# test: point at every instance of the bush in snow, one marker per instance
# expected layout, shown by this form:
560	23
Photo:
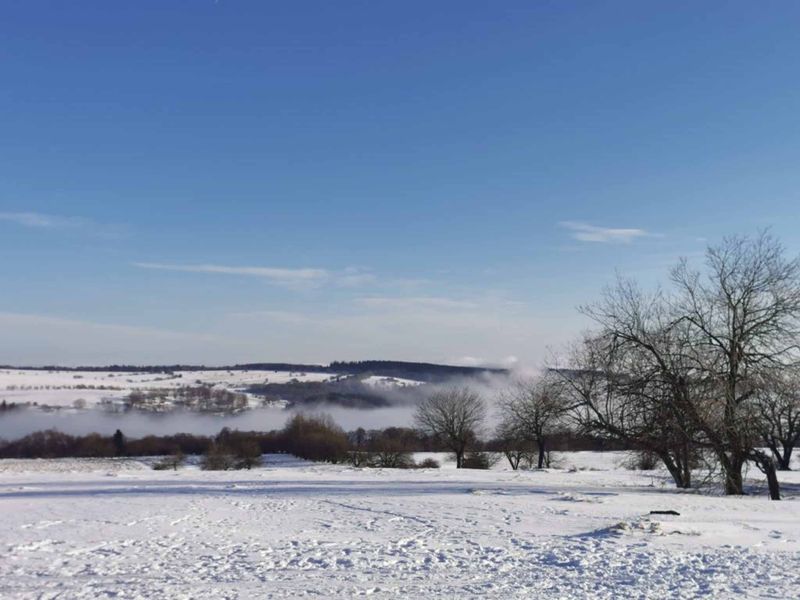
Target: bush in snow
316	437
248	455
218	458
478	460
173	461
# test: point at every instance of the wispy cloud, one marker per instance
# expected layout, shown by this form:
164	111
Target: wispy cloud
280	316
350	277
355	277
415	303
46	222
585	232
277	276
42	221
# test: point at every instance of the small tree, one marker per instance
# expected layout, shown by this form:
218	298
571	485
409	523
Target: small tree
778	409
359	456
530	410
455	415
515	448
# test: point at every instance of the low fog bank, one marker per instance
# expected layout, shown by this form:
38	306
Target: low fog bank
19	423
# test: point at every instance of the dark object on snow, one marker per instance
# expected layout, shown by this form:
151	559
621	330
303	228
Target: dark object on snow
665	512
119	443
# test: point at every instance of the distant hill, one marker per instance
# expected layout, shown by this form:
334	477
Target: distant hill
418	371
409	370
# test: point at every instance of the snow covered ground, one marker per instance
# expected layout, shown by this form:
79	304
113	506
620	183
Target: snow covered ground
63	388
102	528
380	381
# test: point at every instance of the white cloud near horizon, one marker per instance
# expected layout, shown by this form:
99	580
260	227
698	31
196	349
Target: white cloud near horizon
439	331
584	232
506	362
478	330
415	303
35	340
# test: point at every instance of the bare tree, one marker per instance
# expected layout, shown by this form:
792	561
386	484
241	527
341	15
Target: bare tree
530	410
743	322
514	447
711	343
778	406
612	390
453	414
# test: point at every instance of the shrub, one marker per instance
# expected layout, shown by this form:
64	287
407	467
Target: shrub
390	453
317	438
247	454
361	458
390	459
428	463
478	460
94	445
218	458
173	461
641	460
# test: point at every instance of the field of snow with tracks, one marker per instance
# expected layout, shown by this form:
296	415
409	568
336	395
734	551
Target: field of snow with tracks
91	528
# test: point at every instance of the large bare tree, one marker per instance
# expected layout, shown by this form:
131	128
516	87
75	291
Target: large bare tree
455	415
743	322
713	341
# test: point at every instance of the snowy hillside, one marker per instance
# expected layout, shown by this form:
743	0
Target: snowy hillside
100	528
90	389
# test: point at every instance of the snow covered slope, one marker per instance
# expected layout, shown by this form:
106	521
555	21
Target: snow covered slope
101	528
63	388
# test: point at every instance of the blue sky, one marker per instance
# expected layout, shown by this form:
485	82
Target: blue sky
240	181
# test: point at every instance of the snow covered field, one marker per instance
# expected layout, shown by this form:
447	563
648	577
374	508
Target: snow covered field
102	528
63	388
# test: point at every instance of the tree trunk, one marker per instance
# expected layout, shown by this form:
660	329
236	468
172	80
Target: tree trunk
513	460
542	450
767	466
785	460
772	481
783	456
681	474
732	468
459	458
687	473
